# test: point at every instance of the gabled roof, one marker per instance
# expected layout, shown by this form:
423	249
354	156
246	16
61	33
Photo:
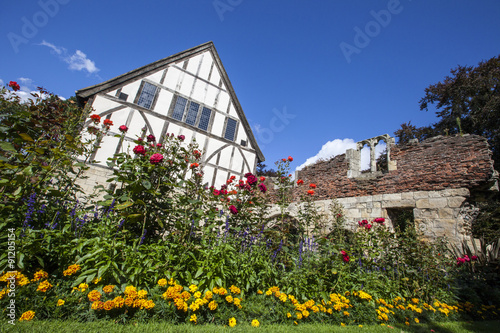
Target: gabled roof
84	94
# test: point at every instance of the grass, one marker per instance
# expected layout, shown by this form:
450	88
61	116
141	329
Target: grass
110	327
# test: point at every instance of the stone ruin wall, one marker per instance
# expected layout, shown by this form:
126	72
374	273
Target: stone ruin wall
433	179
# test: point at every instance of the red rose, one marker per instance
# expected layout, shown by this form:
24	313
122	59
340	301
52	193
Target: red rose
379	220
262	187
14	85
181	137
262	178
123	128
368	226
194	165
300	182
290	158
283	159
233	210
95	118
312	185
139	150
159	145
108	123
156	158
310	192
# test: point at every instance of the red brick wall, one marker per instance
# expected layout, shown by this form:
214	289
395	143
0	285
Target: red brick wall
434	164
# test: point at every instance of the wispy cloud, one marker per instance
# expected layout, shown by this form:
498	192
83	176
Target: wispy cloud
77	61
338	147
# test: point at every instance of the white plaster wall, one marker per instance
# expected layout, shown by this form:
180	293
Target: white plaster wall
172	77
215	78
102	104
223	101
205	66
136	125
232	111
218	124
119	118
155	77
194	63
164	101
156	125
210	96
187	84
131	90
199	91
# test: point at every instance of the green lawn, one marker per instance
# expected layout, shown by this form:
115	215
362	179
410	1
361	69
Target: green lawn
110	327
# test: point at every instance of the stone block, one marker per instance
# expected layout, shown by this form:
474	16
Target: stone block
425	213
398	203
455	202
391	197
407	196
420	195
447	213
432	203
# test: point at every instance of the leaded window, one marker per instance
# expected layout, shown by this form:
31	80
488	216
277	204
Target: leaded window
192	113
230	129
147	96
180	106
205	119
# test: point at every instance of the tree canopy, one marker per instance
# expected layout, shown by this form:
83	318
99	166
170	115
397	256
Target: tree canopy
467	101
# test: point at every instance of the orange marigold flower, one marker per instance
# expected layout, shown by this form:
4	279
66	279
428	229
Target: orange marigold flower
27	316
108	289
94	295
40	275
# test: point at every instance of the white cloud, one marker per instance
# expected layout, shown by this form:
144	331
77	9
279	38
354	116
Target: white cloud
58	50
77	61
338	147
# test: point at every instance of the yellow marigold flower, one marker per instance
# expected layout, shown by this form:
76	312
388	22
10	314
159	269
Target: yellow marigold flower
193	318
162	282
234	289
171	282
82	287
342	324
299	315
212	305
259	292
97	280
360	325
108	305
27	316
2	293
197	294
96	305
346	313
129	302
119	302
305	313
72	270
39	275
417	321
186	295
142	293
23	281
288	315
130	289
208	294
193	288
269	293
232	322
295	323
283	297
222	291
148	305
229	299
414	300
60	302
315	309
364	295
330	311
94	295
237	301
44	286
108	289
255	323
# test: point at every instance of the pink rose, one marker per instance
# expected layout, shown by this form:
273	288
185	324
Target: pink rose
156	158
233	210
123	128
139	150
181	137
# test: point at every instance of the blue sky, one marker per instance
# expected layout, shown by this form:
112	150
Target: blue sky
312	76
